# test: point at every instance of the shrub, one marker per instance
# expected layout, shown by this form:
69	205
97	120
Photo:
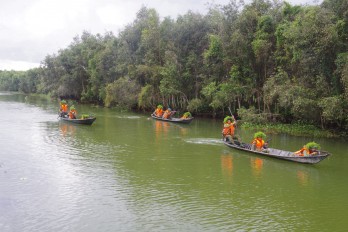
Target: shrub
250	115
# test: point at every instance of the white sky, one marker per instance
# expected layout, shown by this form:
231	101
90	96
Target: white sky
32	29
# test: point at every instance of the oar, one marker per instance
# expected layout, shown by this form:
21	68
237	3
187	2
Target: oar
268	142
232	114
230	111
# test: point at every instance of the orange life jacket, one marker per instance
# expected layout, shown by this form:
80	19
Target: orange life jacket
72	114
167	114
159	112
228	129
302	151
64	107
258	143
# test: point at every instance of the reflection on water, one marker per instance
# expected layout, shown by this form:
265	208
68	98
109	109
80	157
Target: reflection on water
256	166
161	128
67	129
227	166
161	133
302	177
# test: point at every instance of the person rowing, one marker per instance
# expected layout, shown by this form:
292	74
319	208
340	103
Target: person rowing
159	111
167	114
63	109
228	129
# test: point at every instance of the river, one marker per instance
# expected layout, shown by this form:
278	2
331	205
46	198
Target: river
128	172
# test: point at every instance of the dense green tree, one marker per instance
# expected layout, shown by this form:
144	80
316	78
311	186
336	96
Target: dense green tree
122	92
30	82
266	60
10	80
190	41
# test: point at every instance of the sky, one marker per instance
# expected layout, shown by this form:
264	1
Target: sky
32	29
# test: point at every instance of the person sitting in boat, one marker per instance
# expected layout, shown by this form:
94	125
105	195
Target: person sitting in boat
72	112
167	114
311	148
259	144
159	111
63	109
186	115
228	129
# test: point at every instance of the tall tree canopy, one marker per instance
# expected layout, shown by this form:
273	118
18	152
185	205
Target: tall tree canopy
266	58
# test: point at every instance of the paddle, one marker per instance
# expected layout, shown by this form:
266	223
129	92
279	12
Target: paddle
232	116
60	115
268	142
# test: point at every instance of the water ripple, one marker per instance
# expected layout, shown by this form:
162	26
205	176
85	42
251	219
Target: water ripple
207	141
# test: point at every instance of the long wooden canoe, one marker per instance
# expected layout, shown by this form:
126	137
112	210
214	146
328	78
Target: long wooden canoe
86	121
175	120
280	154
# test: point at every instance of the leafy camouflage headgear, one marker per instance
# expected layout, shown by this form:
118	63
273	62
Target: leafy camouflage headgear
260	134
187	114
312	145
228	118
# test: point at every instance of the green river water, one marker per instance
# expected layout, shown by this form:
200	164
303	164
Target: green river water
128	172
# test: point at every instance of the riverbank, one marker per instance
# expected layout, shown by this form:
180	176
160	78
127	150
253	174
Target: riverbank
295	129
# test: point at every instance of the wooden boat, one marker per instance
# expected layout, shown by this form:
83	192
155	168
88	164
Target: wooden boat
280	154
175	120
86	121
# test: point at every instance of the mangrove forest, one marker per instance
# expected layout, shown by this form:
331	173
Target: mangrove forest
266	61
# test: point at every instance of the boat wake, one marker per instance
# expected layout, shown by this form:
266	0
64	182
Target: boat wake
207	141
128	117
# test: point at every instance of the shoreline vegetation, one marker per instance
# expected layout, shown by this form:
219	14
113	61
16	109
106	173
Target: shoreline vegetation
295	129
270	62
